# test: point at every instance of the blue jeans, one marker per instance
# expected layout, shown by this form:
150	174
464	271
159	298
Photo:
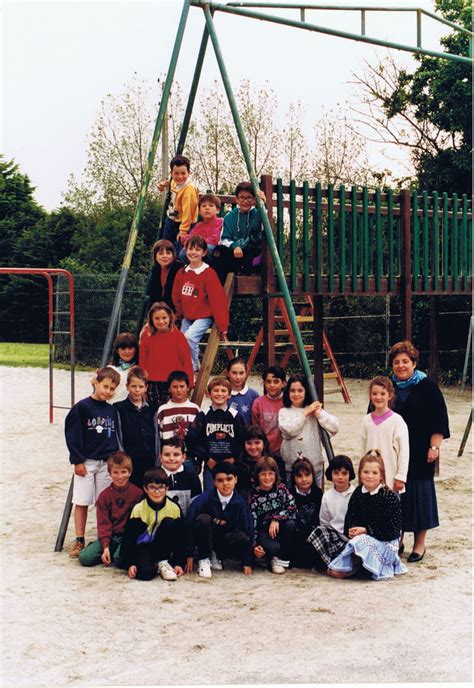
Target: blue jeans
194	330
170	230
207	479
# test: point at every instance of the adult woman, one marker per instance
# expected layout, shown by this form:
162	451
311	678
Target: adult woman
421	404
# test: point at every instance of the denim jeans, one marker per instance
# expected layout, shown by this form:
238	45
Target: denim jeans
193	330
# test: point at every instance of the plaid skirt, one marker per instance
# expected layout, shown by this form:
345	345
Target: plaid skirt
327	542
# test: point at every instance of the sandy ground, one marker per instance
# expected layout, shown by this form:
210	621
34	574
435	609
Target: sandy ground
68	626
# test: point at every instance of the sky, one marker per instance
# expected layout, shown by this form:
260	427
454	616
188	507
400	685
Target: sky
59	59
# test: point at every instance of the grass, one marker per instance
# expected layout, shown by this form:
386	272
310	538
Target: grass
20	355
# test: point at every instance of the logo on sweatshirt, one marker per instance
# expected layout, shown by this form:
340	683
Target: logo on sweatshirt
190	289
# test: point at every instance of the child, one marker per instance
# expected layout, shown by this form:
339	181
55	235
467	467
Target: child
113	507
138	429
307	496
220	525
210	228
199	297
154	534
183	485
388	432
163	273
242	396
163	349
124	356
373	525
265	409
91	436
216	434
175	417
298	422
240	244
273	511
182	210
328	538
255	446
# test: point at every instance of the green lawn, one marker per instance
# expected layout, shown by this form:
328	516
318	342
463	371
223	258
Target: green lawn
29	355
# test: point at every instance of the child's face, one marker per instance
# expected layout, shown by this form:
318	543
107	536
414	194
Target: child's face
179	174
164	257
119	475
172	458
156	492
266	479
136	389
297	394
273	385
379	397
245	201
127	353
219	395
340	478
195	254
370	475
208	211
104	390
237	376
179	391
304	481
225	483
254	448
161	320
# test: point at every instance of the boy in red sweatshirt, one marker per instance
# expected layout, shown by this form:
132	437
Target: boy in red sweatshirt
199	298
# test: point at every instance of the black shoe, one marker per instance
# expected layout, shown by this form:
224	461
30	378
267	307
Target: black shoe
401	549
414	557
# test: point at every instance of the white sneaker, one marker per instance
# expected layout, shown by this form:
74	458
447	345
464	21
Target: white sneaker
204	568
166	571
277	565
216	563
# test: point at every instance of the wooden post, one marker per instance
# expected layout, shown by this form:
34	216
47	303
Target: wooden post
268	303
405	265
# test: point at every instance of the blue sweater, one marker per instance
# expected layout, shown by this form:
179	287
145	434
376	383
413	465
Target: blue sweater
91	430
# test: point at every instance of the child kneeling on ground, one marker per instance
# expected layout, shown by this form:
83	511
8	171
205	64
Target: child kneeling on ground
220	524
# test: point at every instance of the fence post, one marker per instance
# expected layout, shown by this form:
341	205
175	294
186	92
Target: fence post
405	264
268	303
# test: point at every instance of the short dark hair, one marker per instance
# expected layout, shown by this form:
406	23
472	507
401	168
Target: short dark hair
155	475
122	340
172	442
136	371
224	467
180	161
179	375
302	465
286	392
244	186
161	245
253	432
276	371
197	241
338	462
235	361
210	198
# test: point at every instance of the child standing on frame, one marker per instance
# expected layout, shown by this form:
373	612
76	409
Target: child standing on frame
182	210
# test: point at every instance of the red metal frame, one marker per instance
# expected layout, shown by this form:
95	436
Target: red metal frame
48	274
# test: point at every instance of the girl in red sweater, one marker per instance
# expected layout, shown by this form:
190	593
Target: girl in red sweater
163	348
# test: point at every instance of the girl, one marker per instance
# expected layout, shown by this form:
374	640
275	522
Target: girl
388	431
373	524
242	396
163	272
273	512
328	537
299	421
163	349
307	496
124	356
255	446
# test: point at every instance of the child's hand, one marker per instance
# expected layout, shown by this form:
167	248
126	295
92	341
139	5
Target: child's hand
223	336
313	409
178	571
398	485
80	469
238	253
132	572
274	529
163	185
189	565
259	552
353	532
182	236
262	196
211	463
247	570
106	558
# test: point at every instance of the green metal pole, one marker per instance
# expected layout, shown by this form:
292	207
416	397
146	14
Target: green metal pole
137	218
266	223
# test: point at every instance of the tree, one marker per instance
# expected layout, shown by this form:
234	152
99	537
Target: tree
294	154
429	110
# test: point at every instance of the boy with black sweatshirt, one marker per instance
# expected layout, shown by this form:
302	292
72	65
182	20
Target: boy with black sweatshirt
183	485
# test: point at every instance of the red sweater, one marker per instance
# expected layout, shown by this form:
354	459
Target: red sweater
163	352
199	294
113	508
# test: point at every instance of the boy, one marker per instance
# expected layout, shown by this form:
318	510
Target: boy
113	507
242	396
138	429
240	244
182	210
154	533
91	436
183	485
216	434
210	227
199	297
220	525
175	417
265	409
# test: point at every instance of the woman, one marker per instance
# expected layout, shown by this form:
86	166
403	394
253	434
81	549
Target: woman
421	404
